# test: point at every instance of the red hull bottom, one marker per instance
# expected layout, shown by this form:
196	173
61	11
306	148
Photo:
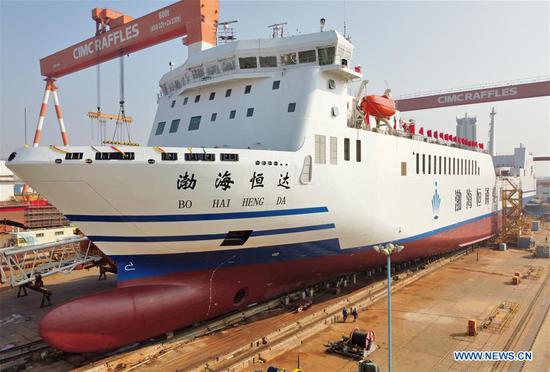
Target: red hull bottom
147	307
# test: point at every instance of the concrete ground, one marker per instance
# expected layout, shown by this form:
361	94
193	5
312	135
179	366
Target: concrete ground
430	316
19	317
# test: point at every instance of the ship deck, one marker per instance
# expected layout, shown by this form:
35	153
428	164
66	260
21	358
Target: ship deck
430	318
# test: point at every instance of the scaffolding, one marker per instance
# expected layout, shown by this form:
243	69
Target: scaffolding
42	216
20	265
513	221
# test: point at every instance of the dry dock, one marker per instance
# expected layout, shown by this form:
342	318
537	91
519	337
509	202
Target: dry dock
430	318
431	309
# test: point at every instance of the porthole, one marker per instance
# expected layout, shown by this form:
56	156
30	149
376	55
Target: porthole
240	296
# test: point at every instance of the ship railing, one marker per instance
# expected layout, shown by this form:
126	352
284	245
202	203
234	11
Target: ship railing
20	265
421	138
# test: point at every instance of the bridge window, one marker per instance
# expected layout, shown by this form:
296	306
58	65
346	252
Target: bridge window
232	114
185	100
333	150
228	92
194	123
417	163
292	107
214	116
307	56
247	89
174	125
326	55
270	61
346	149
197	98
212	95
429	164
358	150
444	165
288	59
248	62
320	149
249	112
276	84
228	64
160	128
173	104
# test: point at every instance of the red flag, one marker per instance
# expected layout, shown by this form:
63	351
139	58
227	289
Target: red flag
435	134
411	128
446	137
421	131
441	135
429	133
455	139
481	145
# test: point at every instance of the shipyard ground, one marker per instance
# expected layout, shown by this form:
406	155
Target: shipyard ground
430	318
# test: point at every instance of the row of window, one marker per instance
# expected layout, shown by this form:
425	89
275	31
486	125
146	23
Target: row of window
326	57
321	145
247	89
195	121
436	164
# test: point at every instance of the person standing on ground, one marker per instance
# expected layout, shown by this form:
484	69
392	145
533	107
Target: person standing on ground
344	314
355	314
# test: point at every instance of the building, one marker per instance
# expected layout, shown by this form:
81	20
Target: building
543	189
466	127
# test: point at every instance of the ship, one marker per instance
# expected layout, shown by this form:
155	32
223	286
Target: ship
262	175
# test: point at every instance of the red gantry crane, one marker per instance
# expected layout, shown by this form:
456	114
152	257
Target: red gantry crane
498	92
118	34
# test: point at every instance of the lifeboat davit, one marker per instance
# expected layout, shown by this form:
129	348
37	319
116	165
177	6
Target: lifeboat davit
378	106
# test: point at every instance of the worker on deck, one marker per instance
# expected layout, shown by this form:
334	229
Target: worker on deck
344	314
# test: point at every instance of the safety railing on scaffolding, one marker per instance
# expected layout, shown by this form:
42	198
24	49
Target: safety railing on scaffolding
20	265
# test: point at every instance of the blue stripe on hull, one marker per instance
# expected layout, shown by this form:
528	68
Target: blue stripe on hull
194	217
161	264
190	238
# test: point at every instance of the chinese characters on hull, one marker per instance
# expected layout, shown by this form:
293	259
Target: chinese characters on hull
284	181
257	180
185	182
224	181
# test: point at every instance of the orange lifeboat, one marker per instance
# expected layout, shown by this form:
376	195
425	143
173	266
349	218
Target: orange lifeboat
378	106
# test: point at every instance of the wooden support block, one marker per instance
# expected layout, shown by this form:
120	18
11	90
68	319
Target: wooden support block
472	327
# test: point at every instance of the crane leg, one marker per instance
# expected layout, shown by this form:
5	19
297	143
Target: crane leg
64	136
42	114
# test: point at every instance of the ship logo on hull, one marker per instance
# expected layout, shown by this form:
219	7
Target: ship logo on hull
436	203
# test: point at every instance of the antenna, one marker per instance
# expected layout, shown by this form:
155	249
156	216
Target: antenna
25	126
492	134
278	29
345	19
226	33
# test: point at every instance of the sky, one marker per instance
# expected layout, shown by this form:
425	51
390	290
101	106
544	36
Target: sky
409	46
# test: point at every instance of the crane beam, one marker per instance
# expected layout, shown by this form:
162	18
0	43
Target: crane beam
498	93
197	19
